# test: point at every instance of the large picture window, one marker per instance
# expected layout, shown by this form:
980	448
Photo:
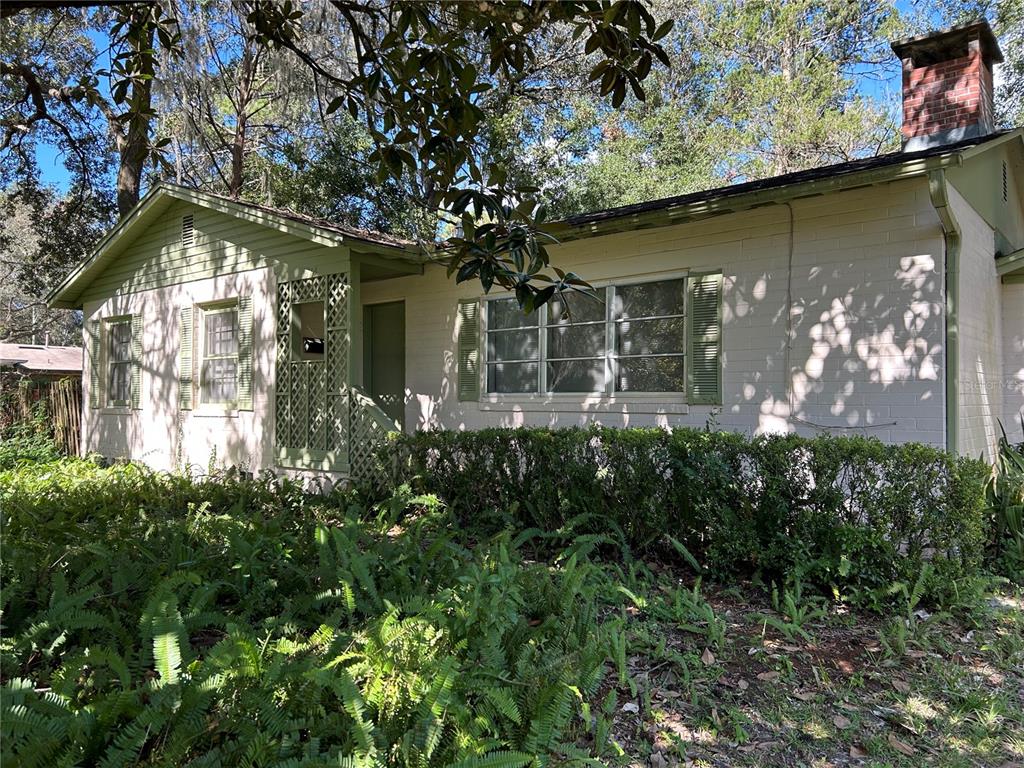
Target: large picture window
119	362
218	372
629	338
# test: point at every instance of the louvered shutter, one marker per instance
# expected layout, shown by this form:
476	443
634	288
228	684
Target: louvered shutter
704	379
185	361
469	350
245	353
95	344
136	361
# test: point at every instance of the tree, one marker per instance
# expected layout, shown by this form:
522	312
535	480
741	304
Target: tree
42	236
49	86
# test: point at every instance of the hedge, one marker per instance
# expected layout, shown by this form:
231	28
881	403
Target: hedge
846	511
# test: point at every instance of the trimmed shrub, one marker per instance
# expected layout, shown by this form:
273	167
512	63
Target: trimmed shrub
845	512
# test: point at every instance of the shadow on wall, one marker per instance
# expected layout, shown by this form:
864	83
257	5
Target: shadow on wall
866	357
160	433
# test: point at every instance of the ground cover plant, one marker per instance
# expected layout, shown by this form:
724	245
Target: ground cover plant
152	619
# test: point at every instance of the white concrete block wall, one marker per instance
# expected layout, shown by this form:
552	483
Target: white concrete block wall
867	354
980	333
160	433
1013	359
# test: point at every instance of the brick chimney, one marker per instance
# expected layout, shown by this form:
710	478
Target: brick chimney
947	85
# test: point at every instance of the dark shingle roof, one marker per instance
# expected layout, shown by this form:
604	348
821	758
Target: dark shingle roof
775	182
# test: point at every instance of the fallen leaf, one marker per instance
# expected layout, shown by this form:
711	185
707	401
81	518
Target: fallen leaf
841	722
658	760
790	648
803	695
901	686
707	657
768	676
996	679
630	707
856	751
901	746
916	654
742	684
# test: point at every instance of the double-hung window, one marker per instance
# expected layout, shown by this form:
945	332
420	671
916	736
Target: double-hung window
119	361
218	372
629	338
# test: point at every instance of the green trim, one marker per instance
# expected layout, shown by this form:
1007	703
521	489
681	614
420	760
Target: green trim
706	208
68	294
704	297
301	458
1010	264
185	359
244	353
938	189
136	380
94	344
468	360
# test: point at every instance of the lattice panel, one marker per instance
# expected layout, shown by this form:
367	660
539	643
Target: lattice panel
312	397
370	427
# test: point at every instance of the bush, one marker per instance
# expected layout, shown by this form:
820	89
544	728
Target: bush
28	441
844	512
151	619
1005	493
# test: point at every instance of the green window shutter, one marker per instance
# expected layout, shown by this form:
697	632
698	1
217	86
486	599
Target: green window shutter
245	353
136	361
95	345
185	361
704	381
469	350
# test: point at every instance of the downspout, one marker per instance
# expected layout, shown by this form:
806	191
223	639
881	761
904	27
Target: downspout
938	189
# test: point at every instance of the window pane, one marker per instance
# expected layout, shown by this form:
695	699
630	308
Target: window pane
222	333
581	307
120	382
120	335
650	337
512	377
576	340
666	297
506	313
219	380
576	376
512	345
650	374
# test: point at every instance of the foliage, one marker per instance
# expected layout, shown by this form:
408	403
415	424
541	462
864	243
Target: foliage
1005	494
151	618
843	513
28	441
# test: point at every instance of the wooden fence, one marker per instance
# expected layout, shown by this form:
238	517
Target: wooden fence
61	401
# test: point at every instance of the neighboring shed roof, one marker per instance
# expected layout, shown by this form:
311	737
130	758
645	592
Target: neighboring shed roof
38	358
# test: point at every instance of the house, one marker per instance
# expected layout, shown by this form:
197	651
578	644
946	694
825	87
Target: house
882	296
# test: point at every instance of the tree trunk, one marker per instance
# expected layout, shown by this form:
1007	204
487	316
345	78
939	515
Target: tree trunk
133	141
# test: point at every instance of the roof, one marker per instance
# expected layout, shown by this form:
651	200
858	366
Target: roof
162	194
838	170
352	233
39	358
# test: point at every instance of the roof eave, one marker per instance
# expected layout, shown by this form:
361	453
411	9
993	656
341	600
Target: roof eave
727	203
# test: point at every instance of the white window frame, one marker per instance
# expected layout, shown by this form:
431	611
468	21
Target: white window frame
108	328
608	393
205	311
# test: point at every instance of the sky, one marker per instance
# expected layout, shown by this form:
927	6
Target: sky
882	88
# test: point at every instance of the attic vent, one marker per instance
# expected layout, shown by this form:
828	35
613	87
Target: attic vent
187	232
1005	187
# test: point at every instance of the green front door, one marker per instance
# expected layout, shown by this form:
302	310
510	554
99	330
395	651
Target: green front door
384	357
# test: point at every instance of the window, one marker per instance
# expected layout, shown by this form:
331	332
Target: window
308	330
218	373
630	338
119	362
